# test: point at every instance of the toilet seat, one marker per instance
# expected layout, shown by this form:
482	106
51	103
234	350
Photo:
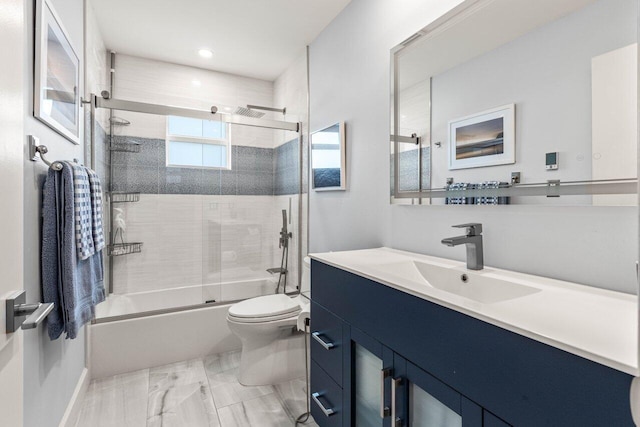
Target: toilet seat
264	309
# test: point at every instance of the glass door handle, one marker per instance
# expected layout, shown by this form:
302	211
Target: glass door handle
326	411
395	383
384	410
323	343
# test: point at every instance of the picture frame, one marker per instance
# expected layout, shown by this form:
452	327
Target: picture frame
56	75
483	139
328	158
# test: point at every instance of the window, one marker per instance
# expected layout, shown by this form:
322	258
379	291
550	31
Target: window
198	143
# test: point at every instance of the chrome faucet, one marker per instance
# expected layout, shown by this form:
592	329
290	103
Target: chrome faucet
473	240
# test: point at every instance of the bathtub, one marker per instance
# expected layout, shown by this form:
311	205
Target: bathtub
127	345
153	328
118	306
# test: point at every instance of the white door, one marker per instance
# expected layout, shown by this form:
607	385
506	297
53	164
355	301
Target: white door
12	143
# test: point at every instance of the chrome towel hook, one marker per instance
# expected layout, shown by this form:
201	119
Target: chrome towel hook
35	148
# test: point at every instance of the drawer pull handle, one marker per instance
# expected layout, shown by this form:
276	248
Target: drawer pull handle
326	345
327	411
395	383
384	410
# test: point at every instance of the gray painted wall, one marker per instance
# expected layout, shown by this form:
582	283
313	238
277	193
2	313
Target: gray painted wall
349	71
51	368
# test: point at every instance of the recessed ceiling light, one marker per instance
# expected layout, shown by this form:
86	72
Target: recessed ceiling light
205	53
195	82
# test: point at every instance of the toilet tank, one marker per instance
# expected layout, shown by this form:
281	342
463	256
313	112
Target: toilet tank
306	276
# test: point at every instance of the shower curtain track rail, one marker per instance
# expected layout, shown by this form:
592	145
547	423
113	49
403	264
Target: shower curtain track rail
213	114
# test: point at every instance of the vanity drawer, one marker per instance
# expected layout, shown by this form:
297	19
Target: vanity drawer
326	341
326	398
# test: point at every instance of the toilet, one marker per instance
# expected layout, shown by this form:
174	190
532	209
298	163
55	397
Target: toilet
272	348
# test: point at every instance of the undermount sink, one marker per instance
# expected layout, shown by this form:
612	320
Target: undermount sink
474	285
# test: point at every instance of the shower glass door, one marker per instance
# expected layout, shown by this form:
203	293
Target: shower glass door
196	212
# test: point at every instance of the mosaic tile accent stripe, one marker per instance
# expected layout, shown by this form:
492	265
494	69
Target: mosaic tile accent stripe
254	171
409	164
287	174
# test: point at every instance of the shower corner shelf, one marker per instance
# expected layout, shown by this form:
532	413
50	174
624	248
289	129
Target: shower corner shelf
125	147
124	197
119	249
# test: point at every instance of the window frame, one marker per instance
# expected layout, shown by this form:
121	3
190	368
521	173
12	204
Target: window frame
224	142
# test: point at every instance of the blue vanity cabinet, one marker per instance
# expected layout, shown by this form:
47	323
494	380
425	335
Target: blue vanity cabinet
490	420
466	371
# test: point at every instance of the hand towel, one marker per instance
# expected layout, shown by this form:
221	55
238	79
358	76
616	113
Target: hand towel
82	207
95	189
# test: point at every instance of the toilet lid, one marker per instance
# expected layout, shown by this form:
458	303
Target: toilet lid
266	306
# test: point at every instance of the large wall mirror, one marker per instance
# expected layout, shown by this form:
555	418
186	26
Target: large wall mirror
518	101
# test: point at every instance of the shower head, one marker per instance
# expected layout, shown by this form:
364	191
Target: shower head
242	111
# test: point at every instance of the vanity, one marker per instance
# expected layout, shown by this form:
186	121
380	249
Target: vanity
403	339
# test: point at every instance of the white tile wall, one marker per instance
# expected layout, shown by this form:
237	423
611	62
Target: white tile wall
97	77
290	91
145	80
193	240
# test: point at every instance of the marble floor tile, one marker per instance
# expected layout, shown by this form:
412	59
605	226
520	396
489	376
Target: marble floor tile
216	363
179	396
226	389
118	401
263	411
293	395
203	392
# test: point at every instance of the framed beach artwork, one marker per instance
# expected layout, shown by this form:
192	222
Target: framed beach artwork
483	139
57	75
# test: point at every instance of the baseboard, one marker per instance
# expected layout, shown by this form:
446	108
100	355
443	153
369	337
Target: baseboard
70	417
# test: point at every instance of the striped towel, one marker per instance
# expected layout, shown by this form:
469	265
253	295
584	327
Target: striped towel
82	212
97	231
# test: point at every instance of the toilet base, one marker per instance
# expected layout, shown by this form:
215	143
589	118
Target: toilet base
280	360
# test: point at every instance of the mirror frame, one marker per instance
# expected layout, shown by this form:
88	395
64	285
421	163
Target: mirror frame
343	158
551	188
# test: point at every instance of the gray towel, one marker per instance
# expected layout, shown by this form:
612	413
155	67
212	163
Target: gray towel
74	285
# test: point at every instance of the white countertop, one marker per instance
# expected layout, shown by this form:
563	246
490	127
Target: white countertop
597	324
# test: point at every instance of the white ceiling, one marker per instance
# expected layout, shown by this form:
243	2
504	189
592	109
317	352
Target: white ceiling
254	38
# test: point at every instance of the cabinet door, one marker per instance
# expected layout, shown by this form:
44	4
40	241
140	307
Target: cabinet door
421	400
371	369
